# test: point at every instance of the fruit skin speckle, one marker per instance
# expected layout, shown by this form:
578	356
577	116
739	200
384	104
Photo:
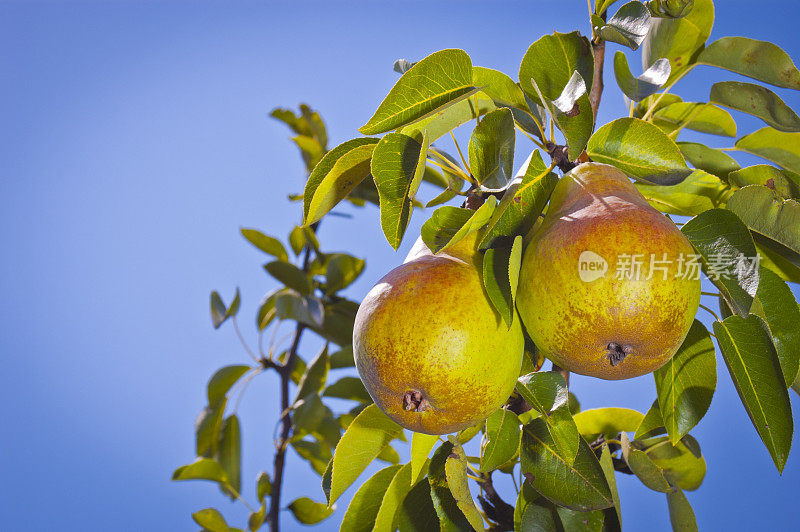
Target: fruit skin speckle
608	328
429	347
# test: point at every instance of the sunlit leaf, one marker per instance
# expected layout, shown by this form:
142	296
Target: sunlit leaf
679	40
342	271
211	520
222	380
308	512
398	164
639	88
336	175
702	117
755	100
201	469
766	213
581	486
608	421
643	467
502	439
350	388
449	224
681	515
436	81
421	445
686	383
364	439
777	146
639	149
777	306
760	60
699	192
713	161
265	243
456	474
491	149
628	26
366	502
727	250
755	369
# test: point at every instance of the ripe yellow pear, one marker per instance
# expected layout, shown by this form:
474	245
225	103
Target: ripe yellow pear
608	285
429	347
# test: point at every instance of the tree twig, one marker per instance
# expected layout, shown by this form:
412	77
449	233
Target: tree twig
285	372
599	51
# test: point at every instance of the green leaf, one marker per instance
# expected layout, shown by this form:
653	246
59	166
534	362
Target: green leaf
308	413
290	275
398	164
639	149
756	373
450	516
314	378
421	445
643	467
500	277
681	515
766	213
439	80
211	520
229	453
449	224
317	454
456	474
652	424
550	63
779	310
656	101
502	439
679	40
343	358
760	60
608	469
726	247
448	118
702	117
265	243
545	391
686	383
266	310
222	380
263	486
670	8
348	388
777	146
608	421
643	86
499	87
713	161
683	464
218	310
417	513
256	519
309	512
336	175
364	506
522	202
628	27
289	305
234	308
756	100
764	174
207	428
342	271
699	192
491	149
581	486
398	488
201	469
364	439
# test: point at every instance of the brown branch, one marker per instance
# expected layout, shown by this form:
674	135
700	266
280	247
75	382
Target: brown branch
495	508
599	51
285	373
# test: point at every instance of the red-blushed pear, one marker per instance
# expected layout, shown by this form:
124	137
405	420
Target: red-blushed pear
608	285
429	347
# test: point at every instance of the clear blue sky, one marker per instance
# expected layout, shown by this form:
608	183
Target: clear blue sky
134	141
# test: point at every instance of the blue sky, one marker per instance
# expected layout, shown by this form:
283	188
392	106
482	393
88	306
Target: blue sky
135	142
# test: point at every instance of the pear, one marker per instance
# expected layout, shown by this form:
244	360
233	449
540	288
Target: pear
429	347
608	285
